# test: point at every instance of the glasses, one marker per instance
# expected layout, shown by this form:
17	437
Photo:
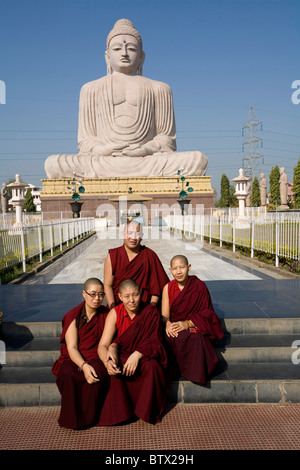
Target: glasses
93	295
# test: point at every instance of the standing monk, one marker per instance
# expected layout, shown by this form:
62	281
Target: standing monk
192	325
80	375
134	357
135	261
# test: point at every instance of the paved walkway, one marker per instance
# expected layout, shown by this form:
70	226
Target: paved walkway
184	428
207	267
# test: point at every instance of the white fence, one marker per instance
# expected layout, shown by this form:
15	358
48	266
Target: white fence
8	219
19	245
277	234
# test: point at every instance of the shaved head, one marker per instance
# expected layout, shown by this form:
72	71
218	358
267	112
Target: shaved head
92	281
128	284
132	223
181	257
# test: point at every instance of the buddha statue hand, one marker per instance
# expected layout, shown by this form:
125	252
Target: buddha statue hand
108	150
137	150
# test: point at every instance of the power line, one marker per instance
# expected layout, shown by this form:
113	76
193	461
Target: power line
281	133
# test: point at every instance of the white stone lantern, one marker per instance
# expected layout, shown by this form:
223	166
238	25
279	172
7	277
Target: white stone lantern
241	192
18	189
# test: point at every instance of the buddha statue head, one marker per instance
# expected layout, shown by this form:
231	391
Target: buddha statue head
124	49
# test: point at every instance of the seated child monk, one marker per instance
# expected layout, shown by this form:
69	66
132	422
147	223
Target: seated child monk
80	375
191	323
134	357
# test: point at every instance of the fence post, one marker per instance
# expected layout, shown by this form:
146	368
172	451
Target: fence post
277	243
51	239
68	233
252	237
233	238
23	250
60	236
220	231
210	218
40	242
297	257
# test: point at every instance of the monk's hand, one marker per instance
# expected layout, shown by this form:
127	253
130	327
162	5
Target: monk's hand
89	373
112	361
180	326
131	364
171	330
176	327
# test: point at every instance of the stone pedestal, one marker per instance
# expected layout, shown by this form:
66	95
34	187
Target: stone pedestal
283	208
102	195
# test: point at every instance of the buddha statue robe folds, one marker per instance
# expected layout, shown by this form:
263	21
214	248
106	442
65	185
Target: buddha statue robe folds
126	121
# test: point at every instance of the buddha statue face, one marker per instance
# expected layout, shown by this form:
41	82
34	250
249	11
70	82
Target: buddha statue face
124	54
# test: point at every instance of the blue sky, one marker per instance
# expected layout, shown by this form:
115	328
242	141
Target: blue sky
220	57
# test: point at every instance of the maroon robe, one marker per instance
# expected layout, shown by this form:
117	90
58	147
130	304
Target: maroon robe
143	394
145	268
192	349
81	402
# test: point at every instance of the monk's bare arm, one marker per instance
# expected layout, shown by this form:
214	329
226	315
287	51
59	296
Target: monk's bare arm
71	338
108	351
108	282
165	311
154	299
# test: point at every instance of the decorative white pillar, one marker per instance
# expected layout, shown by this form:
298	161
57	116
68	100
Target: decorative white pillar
18	198
241	192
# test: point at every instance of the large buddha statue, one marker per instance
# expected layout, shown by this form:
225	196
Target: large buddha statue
126	121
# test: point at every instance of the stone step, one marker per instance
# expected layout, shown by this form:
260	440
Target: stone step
236	348
234	326
40	358
240	383
34	344
229	341
29	330
255	365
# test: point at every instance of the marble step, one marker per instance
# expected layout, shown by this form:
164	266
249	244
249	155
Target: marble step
240	383
234	326
255	365
229	341
242	348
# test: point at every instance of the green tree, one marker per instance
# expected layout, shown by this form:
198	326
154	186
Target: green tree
296	185
224	200
29	205
275	186
255	194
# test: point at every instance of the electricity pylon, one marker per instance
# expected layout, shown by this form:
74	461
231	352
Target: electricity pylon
252	159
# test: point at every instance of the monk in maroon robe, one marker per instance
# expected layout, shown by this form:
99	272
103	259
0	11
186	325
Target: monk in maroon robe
192	325
135	360
134	261
80	375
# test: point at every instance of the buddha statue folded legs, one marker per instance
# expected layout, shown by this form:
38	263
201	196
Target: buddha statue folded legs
160	164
